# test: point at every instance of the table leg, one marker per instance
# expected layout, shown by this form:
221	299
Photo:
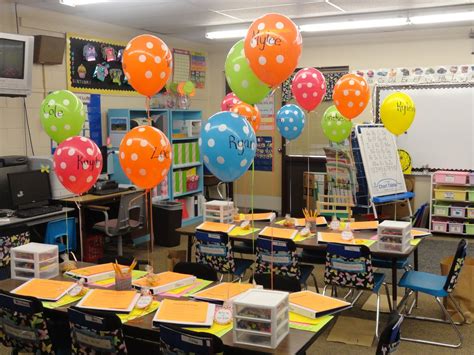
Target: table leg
415	262
190	248
82	230
394	282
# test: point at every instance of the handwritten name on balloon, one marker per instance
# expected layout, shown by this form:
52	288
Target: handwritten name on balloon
239	144
160	154
404	108
262	40
88	164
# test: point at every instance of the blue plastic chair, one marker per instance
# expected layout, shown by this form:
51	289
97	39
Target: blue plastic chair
350	266
437	286
62	228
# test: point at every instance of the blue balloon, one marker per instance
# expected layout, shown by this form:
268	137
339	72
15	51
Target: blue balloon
228	145
290	121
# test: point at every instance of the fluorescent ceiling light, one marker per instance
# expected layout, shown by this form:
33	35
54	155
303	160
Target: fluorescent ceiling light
74	3
226	34
442	18
354	25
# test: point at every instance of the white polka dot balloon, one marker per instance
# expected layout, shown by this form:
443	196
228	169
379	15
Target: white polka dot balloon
290	121
79	169
308	88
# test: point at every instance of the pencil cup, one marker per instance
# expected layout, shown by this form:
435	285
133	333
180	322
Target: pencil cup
311	224
123	281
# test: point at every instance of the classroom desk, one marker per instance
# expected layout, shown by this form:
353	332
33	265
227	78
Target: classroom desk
32	221
297	341
312	244
90	199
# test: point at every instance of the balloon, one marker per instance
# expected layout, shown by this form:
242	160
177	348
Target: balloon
273	48
397	112
228	145
145	156
241	79
77	163
335	126
62	115
351	95
251	113
290	121
147	64
229	101
308	88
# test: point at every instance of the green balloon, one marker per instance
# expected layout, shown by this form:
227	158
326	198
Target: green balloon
62	115
241	79
335	126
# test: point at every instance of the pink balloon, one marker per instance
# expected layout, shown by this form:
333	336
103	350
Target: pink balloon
77	162
229	101
308	88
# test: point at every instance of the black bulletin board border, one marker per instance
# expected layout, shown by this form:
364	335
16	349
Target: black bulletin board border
74	58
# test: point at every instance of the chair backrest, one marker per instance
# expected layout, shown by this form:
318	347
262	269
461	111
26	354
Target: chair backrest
175	340
277	256
23	325
201	271
215	250
349	266
278	282
389	339
456	266
65	227
131	212
95	332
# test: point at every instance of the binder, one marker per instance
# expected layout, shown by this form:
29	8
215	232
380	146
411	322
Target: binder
95	272
164	281
185	313
315	305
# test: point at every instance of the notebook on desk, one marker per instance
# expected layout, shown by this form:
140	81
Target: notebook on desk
164	281
43	289
109	300
185	313
222	292
95	272
315	305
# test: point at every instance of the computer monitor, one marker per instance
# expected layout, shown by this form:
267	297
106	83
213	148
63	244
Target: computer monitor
29	189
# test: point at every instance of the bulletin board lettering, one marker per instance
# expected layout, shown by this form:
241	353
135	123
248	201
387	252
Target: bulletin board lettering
264	156
95	66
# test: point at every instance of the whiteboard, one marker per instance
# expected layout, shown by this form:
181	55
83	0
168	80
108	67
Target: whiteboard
442	134
380	159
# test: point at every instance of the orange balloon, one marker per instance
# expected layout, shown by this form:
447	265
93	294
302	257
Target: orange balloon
351	95
273	48
147	64
250	112
145	156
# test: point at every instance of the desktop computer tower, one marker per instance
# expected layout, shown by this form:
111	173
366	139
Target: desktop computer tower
58	191
9	164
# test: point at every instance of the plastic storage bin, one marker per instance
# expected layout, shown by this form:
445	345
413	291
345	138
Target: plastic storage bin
441	209
34	260
451	177
451	194
439	226
469	228
470	212
471	178
261	318
458	211
167	216
219	211
470	194
456	227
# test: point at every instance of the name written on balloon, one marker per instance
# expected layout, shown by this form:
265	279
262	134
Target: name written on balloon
87	164
404	108
160	154
265	39
240	144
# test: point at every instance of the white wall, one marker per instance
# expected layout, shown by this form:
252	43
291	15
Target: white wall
33	22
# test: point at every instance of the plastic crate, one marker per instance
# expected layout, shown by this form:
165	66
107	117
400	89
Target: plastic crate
439	226
456	227
458	211
451	177
469	228
470	212
34	260
470	194
451	194
440	209
471	178
219	211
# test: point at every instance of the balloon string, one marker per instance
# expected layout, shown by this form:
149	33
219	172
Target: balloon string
309	153
147	106
78	205
251	208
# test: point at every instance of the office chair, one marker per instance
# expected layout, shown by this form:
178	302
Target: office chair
23	325
95	333
389	340
201	271
350	266
437	286
278	282
60	230
175	340
131	216
279	256
216	251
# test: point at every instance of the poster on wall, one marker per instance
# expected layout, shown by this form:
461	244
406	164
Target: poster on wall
181	65
95	66
264	156
198	69
267	113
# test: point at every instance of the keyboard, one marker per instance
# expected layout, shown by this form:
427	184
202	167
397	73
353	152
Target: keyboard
108	191
37	211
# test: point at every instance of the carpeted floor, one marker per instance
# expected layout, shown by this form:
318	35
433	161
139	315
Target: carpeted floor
431	251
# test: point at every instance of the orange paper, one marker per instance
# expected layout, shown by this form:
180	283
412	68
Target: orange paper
363	225
215	227
419	233
95	269
224	291
161	279
257	216
315	301
183	311
282	233
109	299
44	289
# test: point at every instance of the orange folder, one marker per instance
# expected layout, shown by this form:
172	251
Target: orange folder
364	225
108	299
44	289
182	312
265	216
281	233
314	305
95	269
223	292
215	227
419	233
163	278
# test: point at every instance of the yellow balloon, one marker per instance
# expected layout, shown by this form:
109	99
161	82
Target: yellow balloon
397	112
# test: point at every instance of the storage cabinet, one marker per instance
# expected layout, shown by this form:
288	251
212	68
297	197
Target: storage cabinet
34	260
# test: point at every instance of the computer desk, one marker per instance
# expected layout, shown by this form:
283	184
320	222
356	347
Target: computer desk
90	199
32	221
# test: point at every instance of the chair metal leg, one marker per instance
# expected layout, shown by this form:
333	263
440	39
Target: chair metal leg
437	320
119	246
377	316
390	307
315	283
324	289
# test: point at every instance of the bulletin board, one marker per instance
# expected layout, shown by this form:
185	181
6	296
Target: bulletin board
80	71
264	155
